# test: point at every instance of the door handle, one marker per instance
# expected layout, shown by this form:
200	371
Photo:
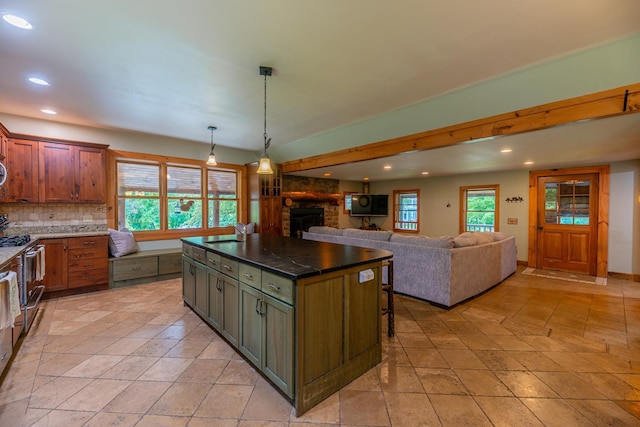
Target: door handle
540	227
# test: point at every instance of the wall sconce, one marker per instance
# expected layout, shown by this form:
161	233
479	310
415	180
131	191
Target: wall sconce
514	199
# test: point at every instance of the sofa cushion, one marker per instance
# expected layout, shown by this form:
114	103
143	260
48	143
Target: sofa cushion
367	234
497	236
483	238
471	238
321	229
443	242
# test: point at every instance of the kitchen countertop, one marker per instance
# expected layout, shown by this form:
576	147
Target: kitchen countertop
7	254
290	257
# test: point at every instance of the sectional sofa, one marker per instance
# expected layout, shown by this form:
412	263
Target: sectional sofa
444	270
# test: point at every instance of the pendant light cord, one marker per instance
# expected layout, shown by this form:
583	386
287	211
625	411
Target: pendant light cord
266	143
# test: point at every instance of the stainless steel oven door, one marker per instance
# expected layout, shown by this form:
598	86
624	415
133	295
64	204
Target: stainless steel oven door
32	289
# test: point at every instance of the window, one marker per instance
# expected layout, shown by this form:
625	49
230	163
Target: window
479	205
138	196
567	202
164	197
222	198
346	200
406	210
184	197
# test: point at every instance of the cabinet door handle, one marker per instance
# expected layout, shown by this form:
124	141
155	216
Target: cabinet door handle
218	287
226	267
89	243
248	276
274	287
258	307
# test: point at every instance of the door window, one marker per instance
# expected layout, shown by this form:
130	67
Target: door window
567	202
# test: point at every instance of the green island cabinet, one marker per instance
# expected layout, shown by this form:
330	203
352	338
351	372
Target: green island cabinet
306	314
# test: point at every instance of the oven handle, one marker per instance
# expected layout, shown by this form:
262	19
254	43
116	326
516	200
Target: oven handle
35	304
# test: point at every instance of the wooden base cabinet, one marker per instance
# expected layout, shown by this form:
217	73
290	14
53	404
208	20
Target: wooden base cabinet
277	349
230	290
74	263
211	294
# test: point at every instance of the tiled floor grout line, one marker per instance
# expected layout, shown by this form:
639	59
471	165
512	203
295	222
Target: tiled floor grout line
521	332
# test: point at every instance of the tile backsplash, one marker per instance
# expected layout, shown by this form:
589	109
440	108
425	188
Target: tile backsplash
41	218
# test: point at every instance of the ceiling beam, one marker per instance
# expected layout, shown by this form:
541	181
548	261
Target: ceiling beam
609	103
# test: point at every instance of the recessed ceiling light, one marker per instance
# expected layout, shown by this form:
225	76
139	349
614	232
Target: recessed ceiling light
528	162
506	150
366	178
47	111
16	21
327	174
387	167
425	173
38	81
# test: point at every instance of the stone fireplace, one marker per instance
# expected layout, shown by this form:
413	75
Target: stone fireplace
300	219
304	198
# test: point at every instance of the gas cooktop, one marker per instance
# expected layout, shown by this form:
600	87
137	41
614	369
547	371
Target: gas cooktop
7	241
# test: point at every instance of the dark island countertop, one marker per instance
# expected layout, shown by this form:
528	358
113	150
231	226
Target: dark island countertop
287	256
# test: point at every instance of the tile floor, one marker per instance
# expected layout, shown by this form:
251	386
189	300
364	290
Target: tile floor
530	352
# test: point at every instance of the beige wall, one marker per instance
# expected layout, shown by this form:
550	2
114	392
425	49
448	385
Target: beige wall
437	219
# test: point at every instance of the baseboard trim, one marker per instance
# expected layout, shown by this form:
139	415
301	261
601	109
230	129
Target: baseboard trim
624	276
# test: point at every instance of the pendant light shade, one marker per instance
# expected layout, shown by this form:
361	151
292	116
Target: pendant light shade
211	161
264	167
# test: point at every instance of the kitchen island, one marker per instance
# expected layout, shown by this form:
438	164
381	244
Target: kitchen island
306	314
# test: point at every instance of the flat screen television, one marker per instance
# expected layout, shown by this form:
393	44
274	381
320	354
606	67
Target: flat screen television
369	205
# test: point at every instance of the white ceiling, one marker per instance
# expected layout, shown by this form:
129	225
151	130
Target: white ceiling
174	68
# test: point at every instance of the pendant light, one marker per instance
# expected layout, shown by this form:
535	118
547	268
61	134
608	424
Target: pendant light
264	168
211	161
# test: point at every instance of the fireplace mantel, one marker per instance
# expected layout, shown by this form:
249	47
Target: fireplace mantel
312	196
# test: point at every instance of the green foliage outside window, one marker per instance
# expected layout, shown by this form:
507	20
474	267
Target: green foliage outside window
481	210
140	214
226	213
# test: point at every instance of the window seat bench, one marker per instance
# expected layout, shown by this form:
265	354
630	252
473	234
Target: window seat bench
144	267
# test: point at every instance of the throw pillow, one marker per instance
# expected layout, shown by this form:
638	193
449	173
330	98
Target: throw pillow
121	242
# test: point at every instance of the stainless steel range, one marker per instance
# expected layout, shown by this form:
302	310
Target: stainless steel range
29	267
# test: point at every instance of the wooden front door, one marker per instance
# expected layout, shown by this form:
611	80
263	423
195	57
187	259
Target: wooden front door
568	223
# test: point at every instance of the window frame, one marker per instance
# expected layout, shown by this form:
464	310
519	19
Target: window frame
396	195
463	205
164	233
346	195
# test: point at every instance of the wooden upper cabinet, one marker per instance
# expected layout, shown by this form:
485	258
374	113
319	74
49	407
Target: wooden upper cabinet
91	175
57	182
4	141
22	171
71	173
